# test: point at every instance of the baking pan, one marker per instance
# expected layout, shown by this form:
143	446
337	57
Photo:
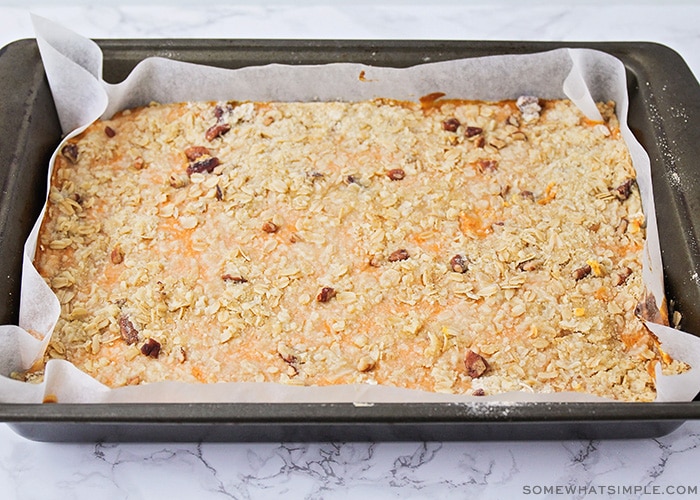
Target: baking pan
664	115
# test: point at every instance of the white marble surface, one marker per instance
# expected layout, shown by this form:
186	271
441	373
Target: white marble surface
30	470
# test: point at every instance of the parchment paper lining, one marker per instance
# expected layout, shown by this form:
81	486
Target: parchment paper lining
74	68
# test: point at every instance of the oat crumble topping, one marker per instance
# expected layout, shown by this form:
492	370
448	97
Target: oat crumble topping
458	247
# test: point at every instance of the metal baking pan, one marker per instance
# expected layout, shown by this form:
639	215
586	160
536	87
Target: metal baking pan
664	115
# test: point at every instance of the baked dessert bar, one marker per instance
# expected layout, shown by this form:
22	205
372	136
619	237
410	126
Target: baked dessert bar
443	245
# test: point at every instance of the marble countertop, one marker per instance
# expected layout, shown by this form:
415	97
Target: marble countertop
639	468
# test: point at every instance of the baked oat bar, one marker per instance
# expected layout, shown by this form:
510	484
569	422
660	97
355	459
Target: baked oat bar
443	245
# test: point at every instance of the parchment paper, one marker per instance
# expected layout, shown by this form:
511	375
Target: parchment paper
74	70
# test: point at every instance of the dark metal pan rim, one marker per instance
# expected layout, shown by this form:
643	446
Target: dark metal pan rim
657	77
348	412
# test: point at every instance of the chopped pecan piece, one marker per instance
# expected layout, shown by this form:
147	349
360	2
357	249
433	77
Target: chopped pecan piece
151	348
139	163
582	272
475	364
451	124
219	193
487	165
648	310
127	331
479	392
286	353
289	357
396	174
529	265
527	195
623	191
110	132
70	152
234	279
117	255
326	294
182	354
401	254
208	164
366	363
473	131
458	264
194	152
270	227
351	179
219	111
622	276
216	131
564	332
